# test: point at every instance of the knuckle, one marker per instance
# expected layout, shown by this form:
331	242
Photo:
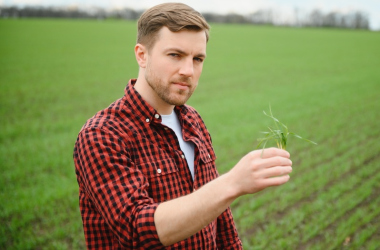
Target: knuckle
280	171
251	155
278	161
256	154
255	163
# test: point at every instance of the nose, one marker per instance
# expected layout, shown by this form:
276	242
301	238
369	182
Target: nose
187	68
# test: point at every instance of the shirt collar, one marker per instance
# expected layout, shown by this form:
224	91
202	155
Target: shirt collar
141	107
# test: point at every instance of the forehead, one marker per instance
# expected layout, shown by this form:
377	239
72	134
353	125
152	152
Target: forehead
187	40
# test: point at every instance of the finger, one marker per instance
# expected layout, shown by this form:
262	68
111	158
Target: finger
275	161
271	152
276	171
275	181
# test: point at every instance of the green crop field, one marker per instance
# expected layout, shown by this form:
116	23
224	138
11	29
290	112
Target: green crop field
323	83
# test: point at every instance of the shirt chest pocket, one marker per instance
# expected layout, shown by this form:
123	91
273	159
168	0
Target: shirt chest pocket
163	177
207	166
207	155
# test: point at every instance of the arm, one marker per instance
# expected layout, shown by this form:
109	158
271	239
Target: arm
180	218
115	191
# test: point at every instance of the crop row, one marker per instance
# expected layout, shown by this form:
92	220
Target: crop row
308	220
331	179
322	171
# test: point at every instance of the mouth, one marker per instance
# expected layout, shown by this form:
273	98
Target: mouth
182	85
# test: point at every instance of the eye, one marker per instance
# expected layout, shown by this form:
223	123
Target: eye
174	55
198	59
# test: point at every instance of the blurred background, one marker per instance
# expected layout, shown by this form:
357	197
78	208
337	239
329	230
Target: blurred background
315	62
338	13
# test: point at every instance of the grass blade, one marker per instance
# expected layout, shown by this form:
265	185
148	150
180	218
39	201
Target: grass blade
280	135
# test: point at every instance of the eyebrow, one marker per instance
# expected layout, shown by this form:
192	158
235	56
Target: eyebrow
179	51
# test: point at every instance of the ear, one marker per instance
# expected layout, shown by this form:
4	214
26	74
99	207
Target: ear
141	54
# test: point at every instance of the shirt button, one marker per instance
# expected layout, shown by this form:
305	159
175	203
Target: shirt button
159	171
157	116
209	156
147	120
166	128
183	157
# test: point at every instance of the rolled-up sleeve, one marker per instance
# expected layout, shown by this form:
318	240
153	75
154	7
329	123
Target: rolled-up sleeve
114	200
227	235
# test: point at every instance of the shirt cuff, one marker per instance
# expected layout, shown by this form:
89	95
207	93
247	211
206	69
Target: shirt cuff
146	228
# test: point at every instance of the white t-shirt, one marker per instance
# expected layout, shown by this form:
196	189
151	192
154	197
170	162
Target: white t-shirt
187	147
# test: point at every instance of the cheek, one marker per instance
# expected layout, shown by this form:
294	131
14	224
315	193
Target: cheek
159	69
198	71
166	67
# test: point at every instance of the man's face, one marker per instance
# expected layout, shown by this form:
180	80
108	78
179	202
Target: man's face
174	65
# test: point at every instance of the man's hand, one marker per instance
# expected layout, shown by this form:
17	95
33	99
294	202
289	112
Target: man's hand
182	217
258	170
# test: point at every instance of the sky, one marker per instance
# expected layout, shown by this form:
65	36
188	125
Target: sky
286	7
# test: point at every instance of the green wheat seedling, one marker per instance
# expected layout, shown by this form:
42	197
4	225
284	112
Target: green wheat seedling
279	133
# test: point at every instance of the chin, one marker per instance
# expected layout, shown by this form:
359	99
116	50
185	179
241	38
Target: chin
178	101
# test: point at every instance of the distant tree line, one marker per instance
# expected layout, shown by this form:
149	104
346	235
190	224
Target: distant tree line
314	18
68	12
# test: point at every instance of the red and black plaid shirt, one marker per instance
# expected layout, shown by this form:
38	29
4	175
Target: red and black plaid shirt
127	162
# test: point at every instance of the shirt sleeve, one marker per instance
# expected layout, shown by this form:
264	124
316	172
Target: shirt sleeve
117	190
227	235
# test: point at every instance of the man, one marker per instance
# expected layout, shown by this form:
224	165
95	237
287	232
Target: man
145	165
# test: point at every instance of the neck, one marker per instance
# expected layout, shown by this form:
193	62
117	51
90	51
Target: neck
147	93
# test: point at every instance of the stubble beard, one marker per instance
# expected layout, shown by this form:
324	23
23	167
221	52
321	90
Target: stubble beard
163	90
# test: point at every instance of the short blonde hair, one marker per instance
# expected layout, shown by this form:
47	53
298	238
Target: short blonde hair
174	16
